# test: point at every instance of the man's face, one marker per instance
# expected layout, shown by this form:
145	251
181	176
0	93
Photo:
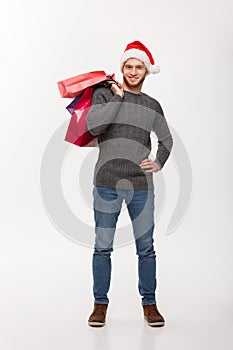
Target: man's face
134	72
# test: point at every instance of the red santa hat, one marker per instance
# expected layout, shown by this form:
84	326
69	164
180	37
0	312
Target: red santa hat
137	50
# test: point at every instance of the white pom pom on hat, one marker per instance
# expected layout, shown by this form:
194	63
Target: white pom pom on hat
137	50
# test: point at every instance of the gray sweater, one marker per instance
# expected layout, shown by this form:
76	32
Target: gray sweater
123	126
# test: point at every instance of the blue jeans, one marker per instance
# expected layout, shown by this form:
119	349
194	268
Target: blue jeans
107	207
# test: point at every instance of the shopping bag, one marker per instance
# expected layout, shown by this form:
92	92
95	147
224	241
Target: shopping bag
72	87
77	132
106	83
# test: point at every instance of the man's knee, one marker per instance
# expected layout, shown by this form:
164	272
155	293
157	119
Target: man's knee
146	252
145	246
104	252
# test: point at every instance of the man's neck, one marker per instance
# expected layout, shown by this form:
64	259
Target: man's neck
136	90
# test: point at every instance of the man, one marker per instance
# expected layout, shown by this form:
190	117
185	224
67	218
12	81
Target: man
122	117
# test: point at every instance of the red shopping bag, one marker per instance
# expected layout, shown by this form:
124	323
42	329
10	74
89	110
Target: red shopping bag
77	132
107	82
72	87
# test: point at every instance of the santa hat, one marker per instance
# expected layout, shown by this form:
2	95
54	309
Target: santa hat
137	50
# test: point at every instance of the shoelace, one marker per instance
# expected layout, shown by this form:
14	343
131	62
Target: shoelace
152	310
100	308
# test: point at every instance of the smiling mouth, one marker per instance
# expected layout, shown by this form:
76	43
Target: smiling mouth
133	78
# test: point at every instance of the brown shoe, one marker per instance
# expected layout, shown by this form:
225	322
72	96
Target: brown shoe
97	318
152	316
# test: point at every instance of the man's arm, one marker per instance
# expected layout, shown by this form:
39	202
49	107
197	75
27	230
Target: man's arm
165	140
165	143
105	107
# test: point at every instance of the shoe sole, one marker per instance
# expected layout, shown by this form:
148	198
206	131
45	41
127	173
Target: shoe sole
96	324
155	324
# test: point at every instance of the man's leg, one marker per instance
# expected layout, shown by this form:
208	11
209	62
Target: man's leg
141	211
107	206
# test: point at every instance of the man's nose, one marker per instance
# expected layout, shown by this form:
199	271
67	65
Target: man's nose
133	71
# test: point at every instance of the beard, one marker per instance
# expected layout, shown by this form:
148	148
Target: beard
136	84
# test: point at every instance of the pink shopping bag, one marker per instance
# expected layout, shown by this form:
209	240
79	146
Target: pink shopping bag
77	132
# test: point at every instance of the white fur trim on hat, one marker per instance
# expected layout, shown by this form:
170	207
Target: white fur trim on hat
142	56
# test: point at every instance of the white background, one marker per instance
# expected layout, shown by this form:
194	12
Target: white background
46	281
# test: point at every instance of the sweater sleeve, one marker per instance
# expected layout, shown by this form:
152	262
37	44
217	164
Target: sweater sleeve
104	108
165	140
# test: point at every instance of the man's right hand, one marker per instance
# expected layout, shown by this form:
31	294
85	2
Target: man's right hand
117	89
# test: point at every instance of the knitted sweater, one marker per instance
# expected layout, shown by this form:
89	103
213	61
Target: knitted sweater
123	126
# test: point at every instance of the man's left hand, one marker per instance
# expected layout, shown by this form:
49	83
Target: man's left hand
149	166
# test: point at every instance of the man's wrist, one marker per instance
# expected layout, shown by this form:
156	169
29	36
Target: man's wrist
117	96
157	162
